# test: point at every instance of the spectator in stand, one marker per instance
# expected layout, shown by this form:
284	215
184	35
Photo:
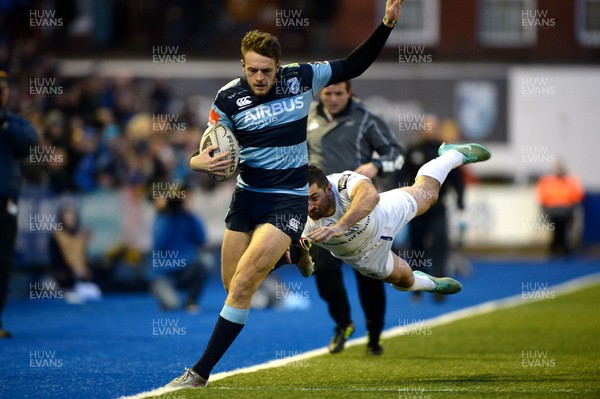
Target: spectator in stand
68	254
559	194
178	236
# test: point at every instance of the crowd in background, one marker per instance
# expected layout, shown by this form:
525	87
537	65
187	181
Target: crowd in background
98	135
99	132
101	129
131	27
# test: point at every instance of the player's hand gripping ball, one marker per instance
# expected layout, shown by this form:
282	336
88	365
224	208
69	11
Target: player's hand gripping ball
224	138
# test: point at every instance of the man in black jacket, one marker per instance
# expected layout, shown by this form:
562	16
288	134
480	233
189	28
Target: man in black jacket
17	136
343	135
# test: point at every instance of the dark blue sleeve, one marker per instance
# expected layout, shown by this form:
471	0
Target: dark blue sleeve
361	57
20	133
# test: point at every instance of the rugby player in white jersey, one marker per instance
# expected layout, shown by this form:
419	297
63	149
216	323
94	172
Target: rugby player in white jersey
348	217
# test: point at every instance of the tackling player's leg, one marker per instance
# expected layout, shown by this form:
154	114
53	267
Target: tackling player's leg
432	175
425	192
403	278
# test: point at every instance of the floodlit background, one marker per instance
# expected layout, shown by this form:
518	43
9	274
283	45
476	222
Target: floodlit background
119	92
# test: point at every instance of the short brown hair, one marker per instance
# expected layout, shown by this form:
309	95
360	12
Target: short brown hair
261	43
317	176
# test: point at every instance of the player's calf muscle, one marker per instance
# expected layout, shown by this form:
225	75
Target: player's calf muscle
401	274
424	194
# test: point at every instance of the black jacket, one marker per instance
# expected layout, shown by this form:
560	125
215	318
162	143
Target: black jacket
17	137
350	139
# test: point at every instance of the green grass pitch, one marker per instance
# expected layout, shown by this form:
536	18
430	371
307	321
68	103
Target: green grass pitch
544	349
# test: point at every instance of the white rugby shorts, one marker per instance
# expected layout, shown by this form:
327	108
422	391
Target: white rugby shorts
396	209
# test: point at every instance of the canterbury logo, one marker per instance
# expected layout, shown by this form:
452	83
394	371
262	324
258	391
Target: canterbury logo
241	102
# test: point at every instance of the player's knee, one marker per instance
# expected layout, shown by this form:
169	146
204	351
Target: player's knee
242	288
425	199
239	297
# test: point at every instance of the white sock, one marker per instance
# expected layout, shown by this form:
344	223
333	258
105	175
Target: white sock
439	167
421	283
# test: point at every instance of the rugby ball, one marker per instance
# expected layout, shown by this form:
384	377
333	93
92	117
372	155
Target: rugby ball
223	137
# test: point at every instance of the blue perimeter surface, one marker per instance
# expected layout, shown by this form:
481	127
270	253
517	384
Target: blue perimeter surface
115	347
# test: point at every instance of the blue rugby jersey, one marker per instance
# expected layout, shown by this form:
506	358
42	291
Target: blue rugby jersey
271	130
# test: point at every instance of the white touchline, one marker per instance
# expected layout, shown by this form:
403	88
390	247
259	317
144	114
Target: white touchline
487	307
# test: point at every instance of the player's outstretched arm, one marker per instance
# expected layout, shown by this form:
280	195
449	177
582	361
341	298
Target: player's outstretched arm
364	198
365	54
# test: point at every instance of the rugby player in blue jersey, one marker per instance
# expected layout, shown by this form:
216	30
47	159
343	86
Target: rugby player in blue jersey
267	110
